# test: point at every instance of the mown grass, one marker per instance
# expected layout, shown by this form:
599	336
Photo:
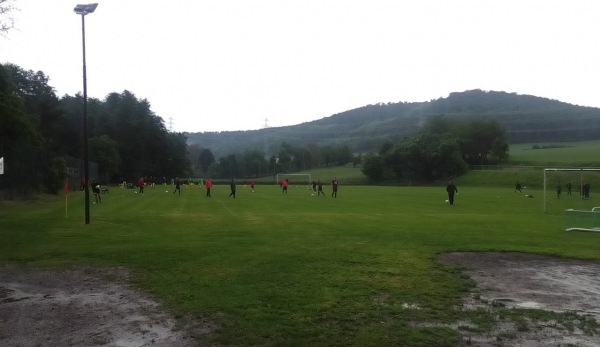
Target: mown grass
297	270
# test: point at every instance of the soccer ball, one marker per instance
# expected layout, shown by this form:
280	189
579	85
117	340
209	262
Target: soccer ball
447	201
313	194
166	191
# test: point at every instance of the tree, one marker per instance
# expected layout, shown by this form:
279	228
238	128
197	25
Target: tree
301	159
479	139
255	164
105	152
357	159
13	120
228	167
205	159
426	158
313	151
42	107
373	167
343	155
7	21
193	156
385	147
145	146
327	155
285	155
176	151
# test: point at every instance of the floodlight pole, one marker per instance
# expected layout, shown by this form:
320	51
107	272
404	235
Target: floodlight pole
84	10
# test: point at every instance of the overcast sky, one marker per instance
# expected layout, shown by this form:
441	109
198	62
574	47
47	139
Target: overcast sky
229	65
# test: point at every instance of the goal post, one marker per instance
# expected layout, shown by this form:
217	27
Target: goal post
570	187
295	179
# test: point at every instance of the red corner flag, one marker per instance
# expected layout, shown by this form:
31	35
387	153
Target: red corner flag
66	186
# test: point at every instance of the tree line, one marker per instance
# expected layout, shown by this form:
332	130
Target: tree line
443	148
255	163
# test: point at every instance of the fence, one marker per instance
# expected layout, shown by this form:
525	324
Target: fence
506	167
30	170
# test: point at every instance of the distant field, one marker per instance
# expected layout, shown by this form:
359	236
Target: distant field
346	174
298	270
529	164
557	154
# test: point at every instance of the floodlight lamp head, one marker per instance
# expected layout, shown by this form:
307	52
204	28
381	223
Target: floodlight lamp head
85	9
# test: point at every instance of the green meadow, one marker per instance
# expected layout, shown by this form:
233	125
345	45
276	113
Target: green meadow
267	269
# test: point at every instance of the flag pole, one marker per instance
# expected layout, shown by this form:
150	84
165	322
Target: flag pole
66	198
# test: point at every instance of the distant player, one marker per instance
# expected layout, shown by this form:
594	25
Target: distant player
177	186
334	187
320	188
232	187
284	186
141	185
585	190
314	185
208	185
451	189
252	185
97	192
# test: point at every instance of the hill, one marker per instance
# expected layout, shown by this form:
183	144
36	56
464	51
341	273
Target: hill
526	118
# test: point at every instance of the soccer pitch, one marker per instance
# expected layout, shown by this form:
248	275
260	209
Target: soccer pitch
296	269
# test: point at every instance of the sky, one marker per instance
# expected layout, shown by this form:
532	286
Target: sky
225	65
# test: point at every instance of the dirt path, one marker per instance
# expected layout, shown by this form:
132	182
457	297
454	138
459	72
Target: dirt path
80	308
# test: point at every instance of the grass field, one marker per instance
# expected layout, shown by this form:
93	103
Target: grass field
297	270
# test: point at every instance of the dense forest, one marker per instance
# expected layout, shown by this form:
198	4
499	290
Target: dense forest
126	139
525	118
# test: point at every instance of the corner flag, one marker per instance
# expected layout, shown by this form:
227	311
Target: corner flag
2	166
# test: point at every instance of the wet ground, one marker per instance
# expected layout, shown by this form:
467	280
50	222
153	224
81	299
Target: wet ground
83	308
527	281
74	308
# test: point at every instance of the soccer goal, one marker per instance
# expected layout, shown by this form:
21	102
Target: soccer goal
579	220
295	179
569	188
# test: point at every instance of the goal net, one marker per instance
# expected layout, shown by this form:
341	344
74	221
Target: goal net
570	189
579	220
295	179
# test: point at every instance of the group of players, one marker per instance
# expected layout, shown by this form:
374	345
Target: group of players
317	186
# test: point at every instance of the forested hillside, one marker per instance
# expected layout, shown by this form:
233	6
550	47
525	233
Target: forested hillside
525	118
